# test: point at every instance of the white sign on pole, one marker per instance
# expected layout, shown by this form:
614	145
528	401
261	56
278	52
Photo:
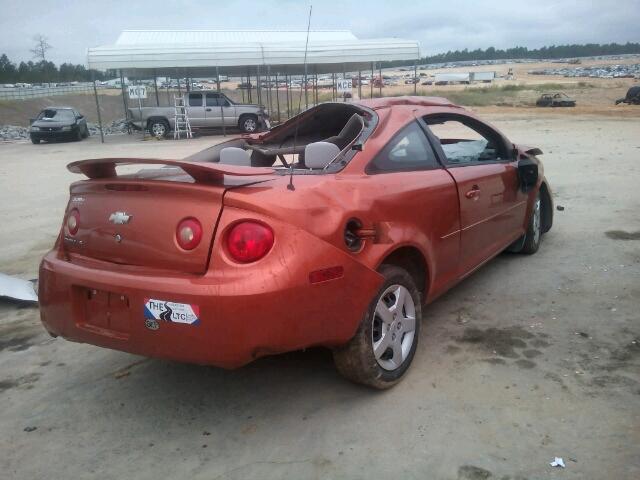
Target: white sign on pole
344	85
137	92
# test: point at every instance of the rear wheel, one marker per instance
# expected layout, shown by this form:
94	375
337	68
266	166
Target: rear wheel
383	347
35	141
248	123
159	128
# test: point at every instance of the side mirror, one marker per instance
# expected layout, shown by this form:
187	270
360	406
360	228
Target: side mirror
80	117
527	174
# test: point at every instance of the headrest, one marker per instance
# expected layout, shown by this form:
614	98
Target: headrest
319	154
235	156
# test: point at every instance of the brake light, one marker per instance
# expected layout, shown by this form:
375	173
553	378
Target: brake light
249	241
189	233
73	221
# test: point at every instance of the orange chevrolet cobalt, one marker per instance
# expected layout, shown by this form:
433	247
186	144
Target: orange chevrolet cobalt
336	229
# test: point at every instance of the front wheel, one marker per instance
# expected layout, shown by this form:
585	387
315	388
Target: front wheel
248	123
383	347
35	141
533	237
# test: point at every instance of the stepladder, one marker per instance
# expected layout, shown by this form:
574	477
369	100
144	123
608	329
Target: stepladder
182	126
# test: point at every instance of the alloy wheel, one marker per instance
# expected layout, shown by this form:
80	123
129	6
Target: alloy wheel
394	326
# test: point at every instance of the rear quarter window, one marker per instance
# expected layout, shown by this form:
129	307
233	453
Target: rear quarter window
408	150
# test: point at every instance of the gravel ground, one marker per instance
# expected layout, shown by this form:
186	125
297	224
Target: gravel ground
530	358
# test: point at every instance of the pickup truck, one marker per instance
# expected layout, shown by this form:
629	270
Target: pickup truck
205	110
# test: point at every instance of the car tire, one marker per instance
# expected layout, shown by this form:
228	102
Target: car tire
533	237
35	141
248	123
381	351
79	135
159	128
86	132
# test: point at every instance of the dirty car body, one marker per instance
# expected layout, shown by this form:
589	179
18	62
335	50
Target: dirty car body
330	230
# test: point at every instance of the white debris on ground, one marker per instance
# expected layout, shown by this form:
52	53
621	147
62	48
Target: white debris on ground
16	288
16	132
558	462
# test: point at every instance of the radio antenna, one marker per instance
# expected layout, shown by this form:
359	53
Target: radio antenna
295	134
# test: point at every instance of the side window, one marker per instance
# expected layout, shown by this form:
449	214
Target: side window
195	99
409	149
466	143
212	100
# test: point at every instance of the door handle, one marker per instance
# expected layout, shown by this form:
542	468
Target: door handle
473	193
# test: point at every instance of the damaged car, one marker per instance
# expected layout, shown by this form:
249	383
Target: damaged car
558	99
335	229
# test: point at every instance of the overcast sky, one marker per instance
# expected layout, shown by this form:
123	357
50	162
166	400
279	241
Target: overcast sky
74	25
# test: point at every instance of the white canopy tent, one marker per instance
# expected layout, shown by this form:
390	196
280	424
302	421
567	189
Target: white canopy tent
140	53
246	53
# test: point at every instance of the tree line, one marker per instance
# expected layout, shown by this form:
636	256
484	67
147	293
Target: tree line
44	71
551	52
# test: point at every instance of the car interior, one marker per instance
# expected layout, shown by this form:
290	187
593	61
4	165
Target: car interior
309	141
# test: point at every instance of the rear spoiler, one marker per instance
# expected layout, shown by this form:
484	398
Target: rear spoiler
202	172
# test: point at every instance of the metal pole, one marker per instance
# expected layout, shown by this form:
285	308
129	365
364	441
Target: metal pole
286	80
333	87
277	97
220	101
258	87
95	94
415	77
306	89
269	87
359	84
344	77
371	82
380	73
242	89
249	82
155	84
124	103
316	87
140	110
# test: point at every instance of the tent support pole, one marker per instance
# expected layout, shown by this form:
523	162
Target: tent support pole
124	103
95	94
381	82
286	80
371	82
155	84
220	101
359	84
277	97
415	77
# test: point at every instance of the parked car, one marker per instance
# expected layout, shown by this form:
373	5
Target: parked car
336	229
206	110
558	99
58	123
632	97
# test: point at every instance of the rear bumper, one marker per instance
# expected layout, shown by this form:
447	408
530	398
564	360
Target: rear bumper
244	313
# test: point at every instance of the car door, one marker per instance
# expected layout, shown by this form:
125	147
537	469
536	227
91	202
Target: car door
219	108
492	207
196	109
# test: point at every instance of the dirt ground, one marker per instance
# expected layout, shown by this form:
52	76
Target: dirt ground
530	358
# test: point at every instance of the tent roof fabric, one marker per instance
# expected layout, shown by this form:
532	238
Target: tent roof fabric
200	52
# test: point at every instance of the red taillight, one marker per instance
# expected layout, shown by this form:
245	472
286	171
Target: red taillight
189	233
73	221
249	241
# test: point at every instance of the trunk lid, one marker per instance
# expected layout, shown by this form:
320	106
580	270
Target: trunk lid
131	219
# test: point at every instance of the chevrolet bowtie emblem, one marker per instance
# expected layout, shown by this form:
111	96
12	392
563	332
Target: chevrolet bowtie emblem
120	218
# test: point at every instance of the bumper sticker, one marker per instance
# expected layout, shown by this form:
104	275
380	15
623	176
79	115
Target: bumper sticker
163	310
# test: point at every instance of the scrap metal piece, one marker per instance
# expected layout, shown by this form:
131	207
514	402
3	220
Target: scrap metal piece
17	288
